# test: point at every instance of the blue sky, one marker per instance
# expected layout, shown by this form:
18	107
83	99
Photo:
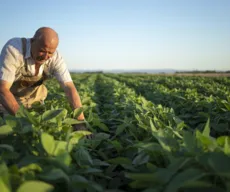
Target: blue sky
128	34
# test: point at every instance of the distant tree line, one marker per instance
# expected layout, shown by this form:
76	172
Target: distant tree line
206	71
93	72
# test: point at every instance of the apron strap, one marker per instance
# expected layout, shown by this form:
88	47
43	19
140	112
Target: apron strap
24	52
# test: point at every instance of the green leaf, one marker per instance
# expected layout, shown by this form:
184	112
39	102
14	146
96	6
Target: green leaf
95	187
98	162
227	184
86	100
141	176
25	113
166	143
197	184
166	174
51	115
141	158
154	189
190	142
59	147
79	181
117	145
4	179
75	138
56	175
27	159
82	157
120	161
151	167
78	178
222	139
182	178
226	146
206	131
101	136
48	143
5	130
153	128
120	129
30	167
35	186
64	158
89	170
71	121
7	147
143	180
207	143
219	162
11	121
226	104
3	186
77	112
100	125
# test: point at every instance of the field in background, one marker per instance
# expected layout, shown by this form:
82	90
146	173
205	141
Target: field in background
202	74
151	133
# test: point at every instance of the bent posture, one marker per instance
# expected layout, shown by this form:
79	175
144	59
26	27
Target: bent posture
25	64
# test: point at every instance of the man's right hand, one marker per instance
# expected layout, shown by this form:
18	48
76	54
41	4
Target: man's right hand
7	99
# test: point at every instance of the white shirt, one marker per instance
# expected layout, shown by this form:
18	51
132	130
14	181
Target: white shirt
11	61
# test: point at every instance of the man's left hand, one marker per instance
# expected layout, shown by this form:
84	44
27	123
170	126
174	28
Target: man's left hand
82	127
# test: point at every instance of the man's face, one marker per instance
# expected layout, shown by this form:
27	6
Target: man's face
42	50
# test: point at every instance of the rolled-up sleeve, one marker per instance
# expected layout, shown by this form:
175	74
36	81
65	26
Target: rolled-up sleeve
60	69
8	60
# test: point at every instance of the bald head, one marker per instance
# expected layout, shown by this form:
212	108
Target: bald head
46	34
44	44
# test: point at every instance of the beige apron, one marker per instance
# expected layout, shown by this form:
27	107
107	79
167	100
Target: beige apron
28	89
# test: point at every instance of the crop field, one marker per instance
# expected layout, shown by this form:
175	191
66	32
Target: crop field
150	133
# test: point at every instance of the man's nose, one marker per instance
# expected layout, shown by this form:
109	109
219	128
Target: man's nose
46	55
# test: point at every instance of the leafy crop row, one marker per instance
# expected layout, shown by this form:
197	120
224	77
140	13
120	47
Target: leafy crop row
142	140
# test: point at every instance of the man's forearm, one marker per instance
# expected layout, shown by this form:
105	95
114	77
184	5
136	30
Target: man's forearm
74	99
9	102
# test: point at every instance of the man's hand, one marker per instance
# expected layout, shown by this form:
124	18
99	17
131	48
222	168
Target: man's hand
7	99
82	127
75	102
73	97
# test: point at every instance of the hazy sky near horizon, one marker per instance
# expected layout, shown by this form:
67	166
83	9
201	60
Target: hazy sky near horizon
128	34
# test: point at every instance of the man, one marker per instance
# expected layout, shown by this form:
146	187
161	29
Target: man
25	64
